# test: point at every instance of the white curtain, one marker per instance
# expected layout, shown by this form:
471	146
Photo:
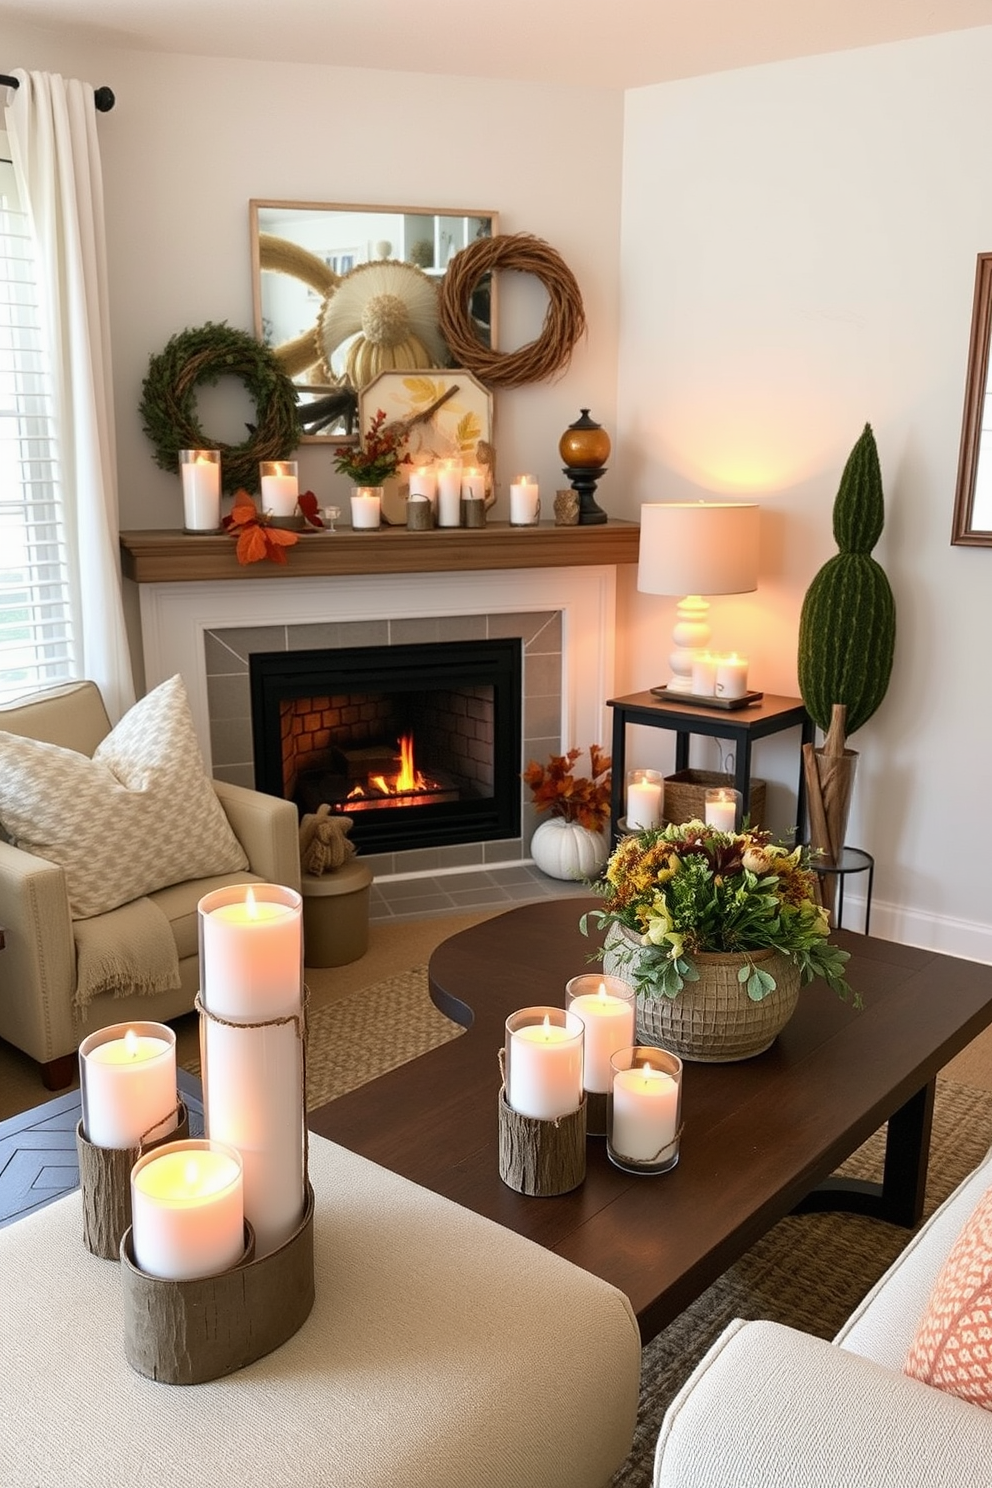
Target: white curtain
52	128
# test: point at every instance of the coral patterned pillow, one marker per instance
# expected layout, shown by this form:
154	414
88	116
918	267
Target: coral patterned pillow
952	1349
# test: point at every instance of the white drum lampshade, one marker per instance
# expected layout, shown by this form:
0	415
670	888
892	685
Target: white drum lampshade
696	549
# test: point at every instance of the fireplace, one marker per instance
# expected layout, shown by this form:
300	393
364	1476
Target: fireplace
420	745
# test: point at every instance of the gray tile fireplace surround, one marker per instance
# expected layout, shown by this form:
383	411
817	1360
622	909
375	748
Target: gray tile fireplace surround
423	882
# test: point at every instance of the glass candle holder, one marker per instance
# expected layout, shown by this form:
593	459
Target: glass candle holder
199	471
731	676
280	487
704	674
187	1209
644	1110
423	482
606	1006
723	808
525	502
645	799
543	1062
449	493
366	506
127	1078
252	1045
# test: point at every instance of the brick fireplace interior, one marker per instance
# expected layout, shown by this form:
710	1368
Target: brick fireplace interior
418	744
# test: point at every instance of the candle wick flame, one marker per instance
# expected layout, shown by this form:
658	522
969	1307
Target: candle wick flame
131	1043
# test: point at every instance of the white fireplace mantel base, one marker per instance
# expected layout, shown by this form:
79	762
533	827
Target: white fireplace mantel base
175	616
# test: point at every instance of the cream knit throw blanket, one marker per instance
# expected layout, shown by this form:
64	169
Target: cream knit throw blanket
125	951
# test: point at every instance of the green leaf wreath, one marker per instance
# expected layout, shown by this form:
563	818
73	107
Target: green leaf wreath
205	354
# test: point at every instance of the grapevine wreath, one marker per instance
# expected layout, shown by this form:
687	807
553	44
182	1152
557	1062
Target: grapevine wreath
564	321
204	355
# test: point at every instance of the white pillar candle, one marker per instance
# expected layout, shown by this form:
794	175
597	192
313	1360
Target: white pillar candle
127	1076
423	482
473	483
606	1007
525	501
366	507
251	970
187	1210
251	965
280	487
643	805
200	476
704	675
449	494
721	809
544	1066
731	676
645	1112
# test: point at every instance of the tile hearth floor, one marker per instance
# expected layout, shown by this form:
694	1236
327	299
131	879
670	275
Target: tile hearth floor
393	900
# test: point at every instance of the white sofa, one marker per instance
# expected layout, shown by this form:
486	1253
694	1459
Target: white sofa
775	1408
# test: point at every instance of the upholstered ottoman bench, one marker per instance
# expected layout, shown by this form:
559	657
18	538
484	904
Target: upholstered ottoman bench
442	1352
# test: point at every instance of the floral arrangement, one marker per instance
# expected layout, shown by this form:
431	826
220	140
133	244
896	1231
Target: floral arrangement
257	538
372	460
574	798
687	888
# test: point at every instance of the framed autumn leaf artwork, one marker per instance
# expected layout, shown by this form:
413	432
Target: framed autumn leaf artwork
445	415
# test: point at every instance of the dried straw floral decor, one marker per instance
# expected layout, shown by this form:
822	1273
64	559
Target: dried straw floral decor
564	321
204	355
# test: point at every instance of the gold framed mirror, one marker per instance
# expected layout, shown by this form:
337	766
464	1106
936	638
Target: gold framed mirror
972	525
344	292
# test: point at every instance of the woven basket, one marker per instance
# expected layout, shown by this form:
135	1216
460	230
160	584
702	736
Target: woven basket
685	795
712	1021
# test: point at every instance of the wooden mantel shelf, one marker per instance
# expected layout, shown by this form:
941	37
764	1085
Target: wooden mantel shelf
169	557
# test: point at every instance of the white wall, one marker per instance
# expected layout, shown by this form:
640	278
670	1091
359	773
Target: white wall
797	258
192	140
798	255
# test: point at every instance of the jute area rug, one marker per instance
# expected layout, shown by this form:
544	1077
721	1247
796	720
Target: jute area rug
809	1271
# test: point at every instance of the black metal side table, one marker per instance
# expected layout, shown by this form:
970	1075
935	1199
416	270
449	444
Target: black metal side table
852	860
769	715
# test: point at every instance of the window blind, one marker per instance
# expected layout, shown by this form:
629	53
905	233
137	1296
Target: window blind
36	621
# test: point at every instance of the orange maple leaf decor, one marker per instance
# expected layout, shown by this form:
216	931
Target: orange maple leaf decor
575	798
257	539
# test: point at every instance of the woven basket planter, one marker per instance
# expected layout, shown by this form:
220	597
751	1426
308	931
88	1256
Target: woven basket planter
712	1021
685	796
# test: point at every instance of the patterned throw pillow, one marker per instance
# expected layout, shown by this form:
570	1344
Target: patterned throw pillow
141	814
952	1349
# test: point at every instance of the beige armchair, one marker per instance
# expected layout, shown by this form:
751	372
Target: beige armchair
38	1012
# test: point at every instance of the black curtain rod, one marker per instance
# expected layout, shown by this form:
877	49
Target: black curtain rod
103	98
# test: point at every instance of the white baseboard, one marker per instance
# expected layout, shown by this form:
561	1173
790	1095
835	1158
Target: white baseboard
952	937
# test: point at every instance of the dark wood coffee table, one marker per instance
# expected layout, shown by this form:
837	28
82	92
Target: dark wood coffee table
761	1138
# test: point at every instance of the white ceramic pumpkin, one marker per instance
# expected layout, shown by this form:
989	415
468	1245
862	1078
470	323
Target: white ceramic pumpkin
563	849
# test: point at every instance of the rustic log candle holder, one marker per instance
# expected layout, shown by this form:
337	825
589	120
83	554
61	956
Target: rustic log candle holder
541	1158
187	1332
105	1183
596	1102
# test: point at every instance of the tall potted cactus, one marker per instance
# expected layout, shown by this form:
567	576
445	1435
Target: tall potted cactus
847	631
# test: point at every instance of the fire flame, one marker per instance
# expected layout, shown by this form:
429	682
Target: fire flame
409	778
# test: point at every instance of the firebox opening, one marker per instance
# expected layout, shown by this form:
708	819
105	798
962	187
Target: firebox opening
419	745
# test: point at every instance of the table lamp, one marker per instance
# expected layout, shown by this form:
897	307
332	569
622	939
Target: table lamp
696	549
